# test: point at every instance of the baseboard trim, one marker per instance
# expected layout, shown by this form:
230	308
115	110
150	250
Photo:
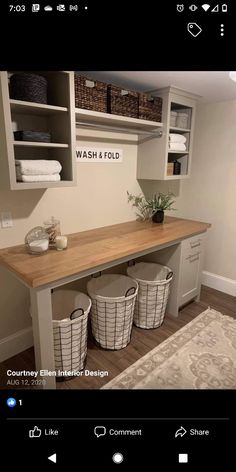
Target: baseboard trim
223	284
15	343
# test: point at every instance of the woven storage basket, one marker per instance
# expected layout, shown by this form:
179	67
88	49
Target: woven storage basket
70	330
90	94
113	299
149	108
28	87
154	287
122	102
33	136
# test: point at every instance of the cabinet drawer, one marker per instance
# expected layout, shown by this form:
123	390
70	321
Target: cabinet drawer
192	254
190	277
192	246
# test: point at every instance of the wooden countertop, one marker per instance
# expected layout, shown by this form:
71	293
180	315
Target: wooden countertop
89	249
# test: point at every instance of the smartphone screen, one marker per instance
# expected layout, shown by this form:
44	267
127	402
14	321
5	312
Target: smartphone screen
117	234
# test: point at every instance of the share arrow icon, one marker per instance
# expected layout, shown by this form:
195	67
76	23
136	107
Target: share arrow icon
180	432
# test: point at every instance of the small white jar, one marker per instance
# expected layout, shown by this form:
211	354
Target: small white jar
61	242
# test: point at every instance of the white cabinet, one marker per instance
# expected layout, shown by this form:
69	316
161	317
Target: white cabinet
192	254
155	158
56	117
185	258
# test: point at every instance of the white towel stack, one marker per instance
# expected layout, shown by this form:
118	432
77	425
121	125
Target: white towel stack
38	170
177	142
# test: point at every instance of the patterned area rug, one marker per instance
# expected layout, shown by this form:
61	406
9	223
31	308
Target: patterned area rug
201	355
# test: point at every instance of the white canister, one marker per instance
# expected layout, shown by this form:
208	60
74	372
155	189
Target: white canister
37	240
38	246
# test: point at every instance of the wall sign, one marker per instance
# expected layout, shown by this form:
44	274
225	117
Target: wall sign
94	154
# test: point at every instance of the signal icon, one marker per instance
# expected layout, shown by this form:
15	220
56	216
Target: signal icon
206	6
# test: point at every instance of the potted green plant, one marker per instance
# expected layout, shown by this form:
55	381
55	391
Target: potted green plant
152	208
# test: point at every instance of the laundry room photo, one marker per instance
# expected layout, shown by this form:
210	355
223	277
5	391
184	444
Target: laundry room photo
117	230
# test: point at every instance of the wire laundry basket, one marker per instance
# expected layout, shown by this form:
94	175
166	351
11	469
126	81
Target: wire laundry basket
113	300
154	287
70	333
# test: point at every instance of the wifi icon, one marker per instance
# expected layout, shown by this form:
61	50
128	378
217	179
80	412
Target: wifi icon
206	6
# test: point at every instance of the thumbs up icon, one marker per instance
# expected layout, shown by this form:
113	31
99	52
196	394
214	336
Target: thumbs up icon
35	433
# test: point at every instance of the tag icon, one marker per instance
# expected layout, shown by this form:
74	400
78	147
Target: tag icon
194	29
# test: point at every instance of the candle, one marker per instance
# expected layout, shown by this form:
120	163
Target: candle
39	245
61	242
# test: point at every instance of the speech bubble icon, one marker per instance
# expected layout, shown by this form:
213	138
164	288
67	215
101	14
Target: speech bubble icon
100	431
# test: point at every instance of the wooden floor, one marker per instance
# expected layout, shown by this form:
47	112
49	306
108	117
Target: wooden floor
142	342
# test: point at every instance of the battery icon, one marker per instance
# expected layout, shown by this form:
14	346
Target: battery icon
224	8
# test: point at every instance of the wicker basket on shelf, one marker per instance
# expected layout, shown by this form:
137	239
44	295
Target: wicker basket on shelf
122	102
90	94
28	87
150	108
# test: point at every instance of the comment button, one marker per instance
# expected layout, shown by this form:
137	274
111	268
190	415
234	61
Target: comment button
100	431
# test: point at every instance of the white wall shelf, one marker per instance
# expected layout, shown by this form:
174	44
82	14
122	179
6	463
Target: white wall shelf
39	144
182	130
38	185
176	177
112	122
18	106
154	155
178	152
57	117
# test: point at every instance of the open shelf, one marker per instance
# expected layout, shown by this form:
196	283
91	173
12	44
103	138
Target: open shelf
57	118
177	152
177	177
39	144
154	155
38	185
18	106
183	130
112	121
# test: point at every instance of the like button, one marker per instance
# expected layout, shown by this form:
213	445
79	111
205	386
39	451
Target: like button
35	433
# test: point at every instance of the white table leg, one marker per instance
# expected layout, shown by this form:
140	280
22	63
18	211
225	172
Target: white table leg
41	310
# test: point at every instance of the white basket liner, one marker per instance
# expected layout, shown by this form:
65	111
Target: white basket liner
112	312
70	336
153	293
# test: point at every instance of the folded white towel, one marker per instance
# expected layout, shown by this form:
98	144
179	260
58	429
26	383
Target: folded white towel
38	178
177	147
38	167
177	138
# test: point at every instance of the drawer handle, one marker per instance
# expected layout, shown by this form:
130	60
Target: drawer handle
193	259
197	254
195	245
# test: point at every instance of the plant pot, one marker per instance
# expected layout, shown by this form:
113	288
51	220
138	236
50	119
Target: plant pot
158	216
